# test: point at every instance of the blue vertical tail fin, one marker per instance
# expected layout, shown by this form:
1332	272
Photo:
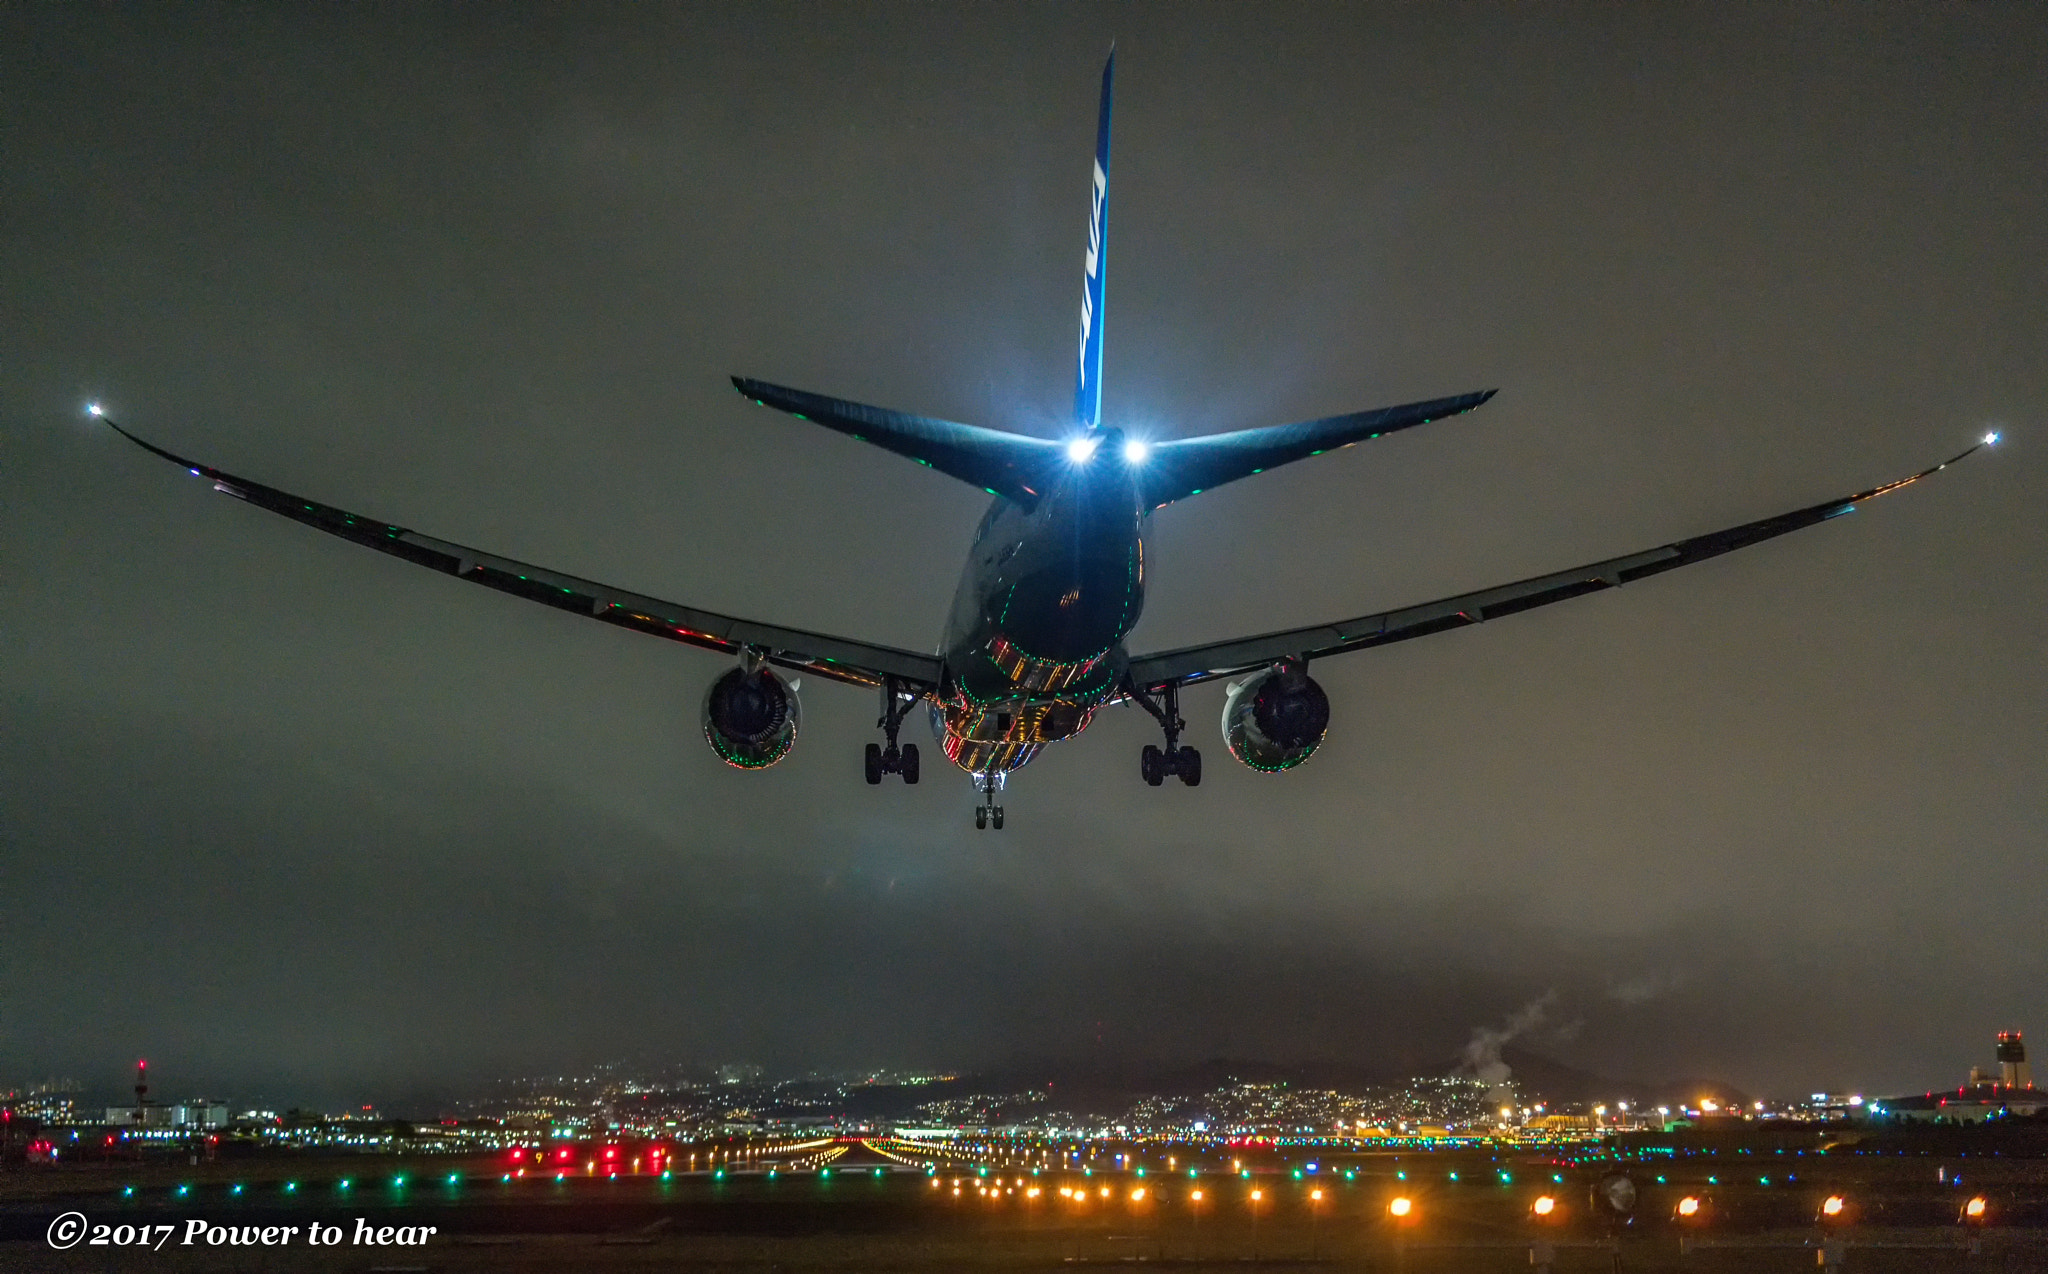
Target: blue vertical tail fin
1088	381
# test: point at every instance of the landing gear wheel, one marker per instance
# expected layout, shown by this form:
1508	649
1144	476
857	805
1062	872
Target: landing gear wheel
981	818
1190	767
998	817
1148	765
909	762
874	764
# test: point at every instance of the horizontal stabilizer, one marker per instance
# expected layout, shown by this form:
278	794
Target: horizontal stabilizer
1191	466
1004	464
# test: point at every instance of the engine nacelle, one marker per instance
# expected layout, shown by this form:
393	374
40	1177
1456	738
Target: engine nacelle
1276	719
751	718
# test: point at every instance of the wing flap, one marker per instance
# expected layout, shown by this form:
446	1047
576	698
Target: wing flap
835	658
1193	664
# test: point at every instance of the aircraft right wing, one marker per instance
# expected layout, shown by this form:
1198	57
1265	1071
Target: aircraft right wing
1193	664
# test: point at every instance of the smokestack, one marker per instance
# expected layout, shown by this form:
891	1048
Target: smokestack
2013	1070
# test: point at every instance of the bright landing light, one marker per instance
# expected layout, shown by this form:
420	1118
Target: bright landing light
1135	451
1080	449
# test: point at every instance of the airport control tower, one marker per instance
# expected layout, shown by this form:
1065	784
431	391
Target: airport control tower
2013	1071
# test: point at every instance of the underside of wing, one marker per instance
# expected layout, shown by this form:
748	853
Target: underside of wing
1194	664
820	654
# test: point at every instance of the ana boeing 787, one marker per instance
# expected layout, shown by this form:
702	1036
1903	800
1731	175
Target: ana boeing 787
1054	582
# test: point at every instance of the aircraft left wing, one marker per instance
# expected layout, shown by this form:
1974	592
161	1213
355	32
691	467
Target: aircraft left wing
1193	664
835	658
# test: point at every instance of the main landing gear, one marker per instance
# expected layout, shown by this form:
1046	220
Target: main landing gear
1155	764
988	811
896	705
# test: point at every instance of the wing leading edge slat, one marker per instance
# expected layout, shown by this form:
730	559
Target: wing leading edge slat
820	654
1193	664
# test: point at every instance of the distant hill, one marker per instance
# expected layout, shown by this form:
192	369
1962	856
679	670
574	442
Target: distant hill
1109	1086
1549	1080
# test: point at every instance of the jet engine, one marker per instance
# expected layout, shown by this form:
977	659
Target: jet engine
751	717
1275	720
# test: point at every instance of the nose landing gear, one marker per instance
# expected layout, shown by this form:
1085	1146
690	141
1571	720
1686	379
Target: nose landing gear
1153	763
988	811
896	705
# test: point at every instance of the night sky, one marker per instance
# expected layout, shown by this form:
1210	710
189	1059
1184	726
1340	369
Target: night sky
295	820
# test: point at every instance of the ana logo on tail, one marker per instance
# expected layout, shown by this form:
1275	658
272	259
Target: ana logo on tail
1094	261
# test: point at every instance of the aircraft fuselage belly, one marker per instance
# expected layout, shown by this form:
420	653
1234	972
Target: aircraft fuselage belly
1034	643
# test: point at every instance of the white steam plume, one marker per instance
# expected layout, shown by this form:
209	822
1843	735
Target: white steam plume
1482	1055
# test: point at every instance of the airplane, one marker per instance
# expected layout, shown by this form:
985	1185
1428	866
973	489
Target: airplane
1054	582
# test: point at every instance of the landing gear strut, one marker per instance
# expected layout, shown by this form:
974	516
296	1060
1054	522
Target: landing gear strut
988	811
1153	763
897	701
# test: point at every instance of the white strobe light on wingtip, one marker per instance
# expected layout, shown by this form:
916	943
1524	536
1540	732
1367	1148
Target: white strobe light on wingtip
1080	449
1135	450
1991	437
93	409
